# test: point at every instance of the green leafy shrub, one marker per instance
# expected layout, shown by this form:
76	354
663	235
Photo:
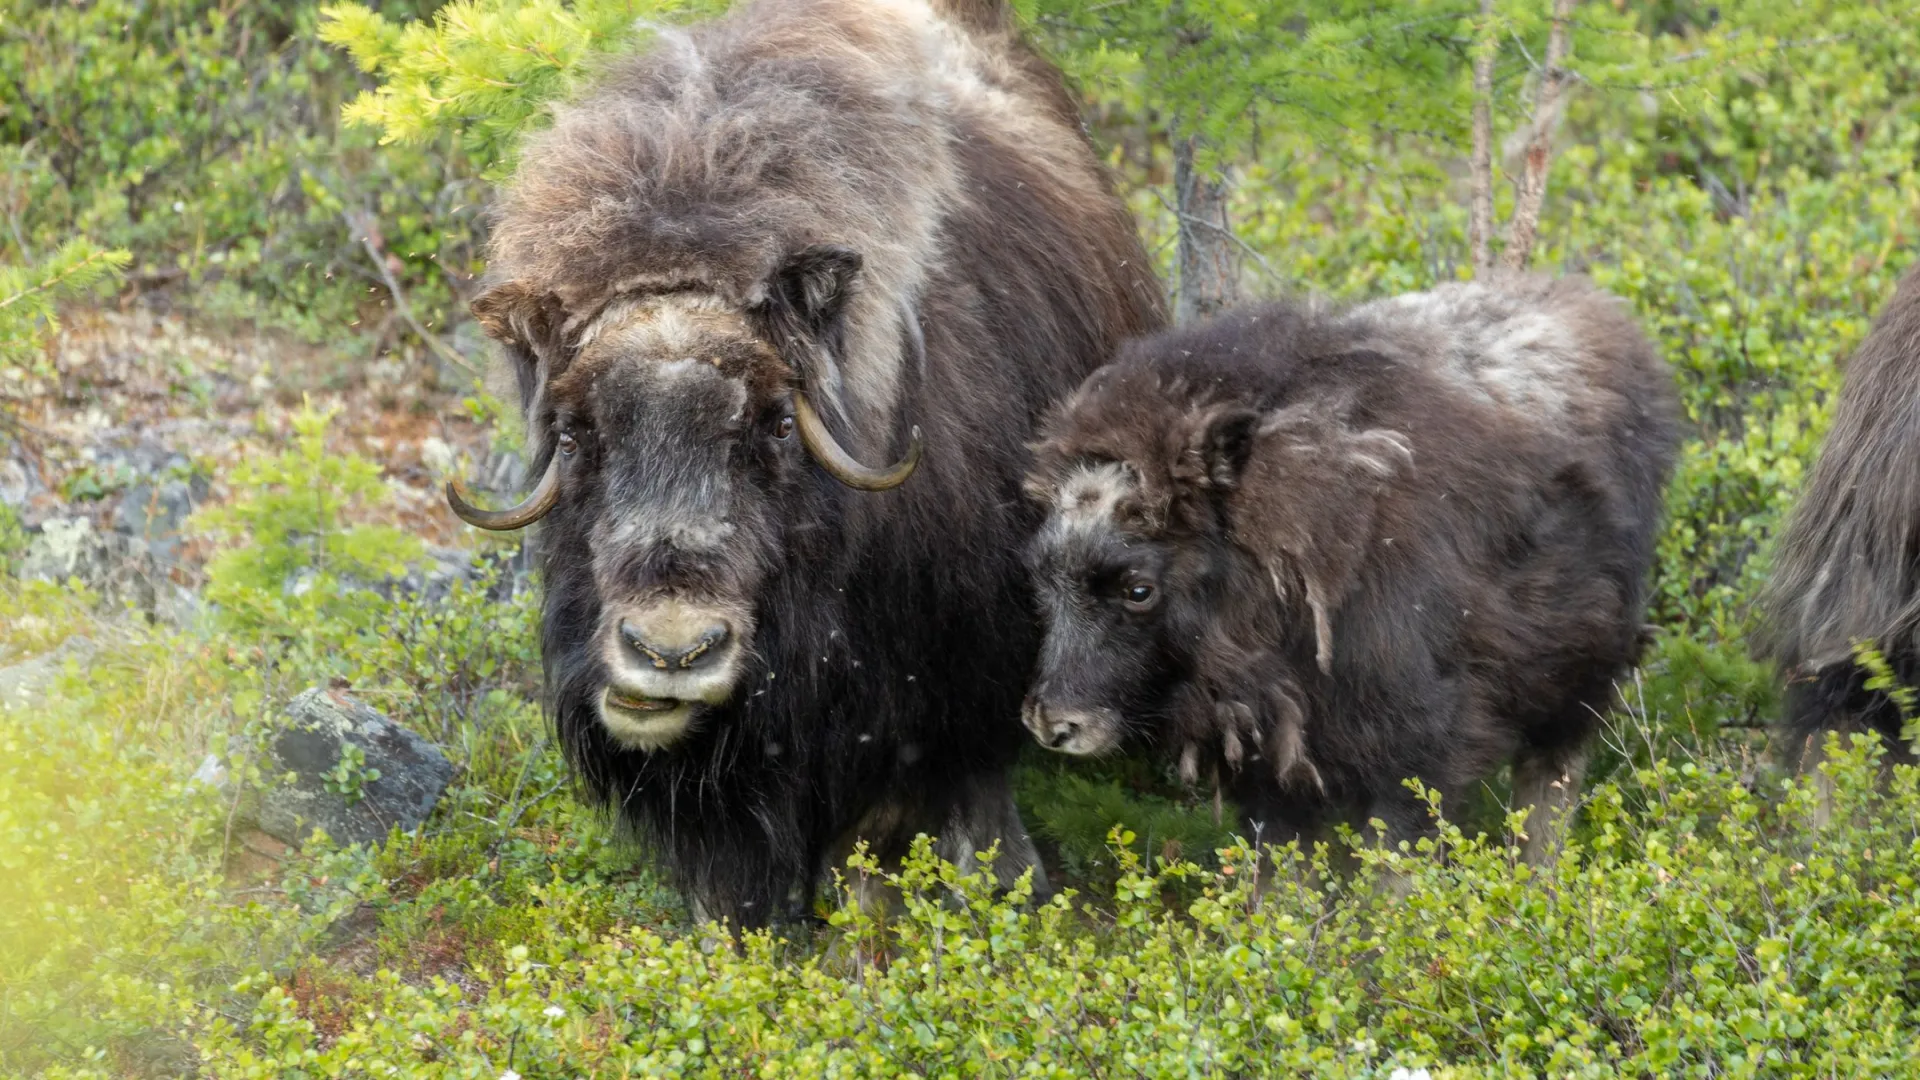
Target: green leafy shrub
1703	930
204	138
483	68
1073	807
292	563
13	539
1883	679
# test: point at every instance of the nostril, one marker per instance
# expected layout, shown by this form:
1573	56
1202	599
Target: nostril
703	650
637	641
630	634
1063	731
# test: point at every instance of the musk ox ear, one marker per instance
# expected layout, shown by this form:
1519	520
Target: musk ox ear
812	287
1219	442
527	321
516	313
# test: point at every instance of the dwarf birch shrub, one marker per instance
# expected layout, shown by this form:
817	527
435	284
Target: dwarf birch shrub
1705	928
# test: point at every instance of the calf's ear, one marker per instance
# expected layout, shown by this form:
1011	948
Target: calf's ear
1313	496
1218	444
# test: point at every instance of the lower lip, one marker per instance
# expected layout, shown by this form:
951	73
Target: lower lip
641	704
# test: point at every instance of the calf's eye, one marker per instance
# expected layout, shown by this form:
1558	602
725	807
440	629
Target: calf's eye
783	428
1140	597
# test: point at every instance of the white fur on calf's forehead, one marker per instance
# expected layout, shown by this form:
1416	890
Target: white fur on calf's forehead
1091	495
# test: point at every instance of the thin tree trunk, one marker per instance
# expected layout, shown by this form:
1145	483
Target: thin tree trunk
1546	116
1480	209
1209	260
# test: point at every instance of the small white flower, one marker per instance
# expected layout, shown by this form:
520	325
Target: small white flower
509	1075
179	207
1409	1074
554	1011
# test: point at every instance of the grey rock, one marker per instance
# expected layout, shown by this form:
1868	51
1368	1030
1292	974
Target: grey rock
18	483
472	345
120	569
70	547
64	548
436	574
153	512
321	724
25	682
506	473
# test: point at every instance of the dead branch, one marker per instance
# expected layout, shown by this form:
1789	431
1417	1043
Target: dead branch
1209	269
1246	249
1525	224
1480	209
360	222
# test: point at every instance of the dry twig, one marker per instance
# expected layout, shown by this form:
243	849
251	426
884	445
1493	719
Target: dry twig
362	225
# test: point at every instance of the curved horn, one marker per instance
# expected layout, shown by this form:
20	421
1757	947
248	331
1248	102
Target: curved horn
840	464
529	511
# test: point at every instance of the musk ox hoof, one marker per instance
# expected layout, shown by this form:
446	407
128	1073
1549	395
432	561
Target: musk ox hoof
356	774
642	723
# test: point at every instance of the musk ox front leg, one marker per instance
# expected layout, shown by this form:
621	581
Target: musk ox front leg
1547	783
983	815
964	822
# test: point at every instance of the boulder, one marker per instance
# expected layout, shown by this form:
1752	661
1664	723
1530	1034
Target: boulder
70	547
26	682
119	568
394	775
153	511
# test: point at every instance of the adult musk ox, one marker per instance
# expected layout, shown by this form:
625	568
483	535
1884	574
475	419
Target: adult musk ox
1312	554
737	278
1847	567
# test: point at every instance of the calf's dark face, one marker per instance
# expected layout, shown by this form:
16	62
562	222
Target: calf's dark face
1123	610
1130	584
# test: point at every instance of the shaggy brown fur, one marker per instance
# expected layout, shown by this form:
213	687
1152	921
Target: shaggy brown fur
890	205
1848	564
1314	554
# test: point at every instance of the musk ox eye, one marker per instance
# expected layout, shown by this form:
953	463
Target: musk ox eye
568	444
783	427
1141	597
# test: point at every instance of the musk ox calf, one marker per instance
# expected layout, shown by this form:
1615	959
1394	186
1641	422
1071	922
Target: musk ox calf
1312	554
776	248
1847	568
